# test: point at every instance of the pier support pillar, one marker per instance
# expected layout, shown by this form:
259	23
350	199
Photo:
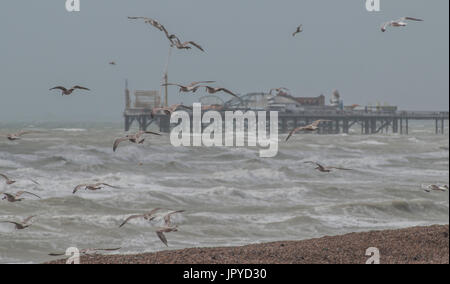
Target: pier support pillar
345	126
407	127
395	125
164	123
373	126
283	125
401	126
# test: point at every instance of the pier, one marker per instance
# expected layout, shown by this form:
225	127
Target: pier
292	112
339	121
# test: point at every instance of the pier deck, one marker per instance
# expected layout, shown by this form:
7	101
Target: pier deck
370	122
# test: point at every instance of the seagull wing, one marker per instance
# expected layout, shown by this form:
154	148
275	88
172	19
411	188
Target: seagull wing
106	249
154	133
162	237
118	141
131	218
199	82
173	84
228	92
56	254
338	168
27	192
105	184
5	177
294	131
411	19
80	87
315	163
27	219
167	217
194	44
11	222
136	18
59	88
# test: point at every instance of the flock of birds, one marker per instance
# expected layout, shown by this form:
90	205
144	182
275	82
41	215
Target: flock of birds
137	138
150	216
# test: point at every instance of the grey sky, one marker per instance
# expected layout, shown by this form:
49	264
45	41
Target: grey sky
248	46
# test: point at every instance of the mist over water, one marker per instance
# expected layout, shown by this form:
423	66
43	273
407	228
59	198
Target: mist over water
231	195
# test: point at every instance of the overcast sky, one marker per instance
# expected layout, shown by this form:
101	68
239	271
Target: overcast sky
249	48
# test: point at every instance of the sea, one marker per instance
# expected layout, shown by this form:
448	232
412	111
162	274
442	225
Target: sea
231	196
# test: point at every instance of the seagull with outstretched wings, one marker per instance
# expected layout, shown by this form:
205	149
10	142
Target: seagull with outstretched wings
399	23
65	91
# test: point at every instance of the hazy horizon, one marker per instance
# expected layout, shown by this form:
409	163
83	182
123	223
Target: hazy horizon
249	48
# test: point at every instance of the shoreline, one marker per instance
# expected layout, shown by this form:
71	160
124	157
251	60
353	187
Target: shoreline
414	245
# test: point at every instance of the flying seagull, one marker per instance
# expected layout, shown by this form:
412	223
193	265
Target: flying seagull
95	186
399	23
15	198
168	110
87	251
325	169
16	136
20	225
7	179
298	30
112	63
435	187
213	90
192	87
160	233
133	138
67	92
147	216
311	127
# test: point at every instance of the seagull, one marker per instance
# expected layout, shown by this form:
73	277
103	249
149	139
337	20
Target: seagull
399	23
16	136
167	217
168	110
15	197
192	87
112	63
20	225
95	186
213	90
298	30
278	90
435	187
133	138
67	92
326	169
147	216
311	127
7	179
87	251
160	233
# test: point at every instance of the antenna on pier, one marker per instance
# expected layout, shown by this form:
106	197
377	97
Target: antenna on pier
165	78
127	95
